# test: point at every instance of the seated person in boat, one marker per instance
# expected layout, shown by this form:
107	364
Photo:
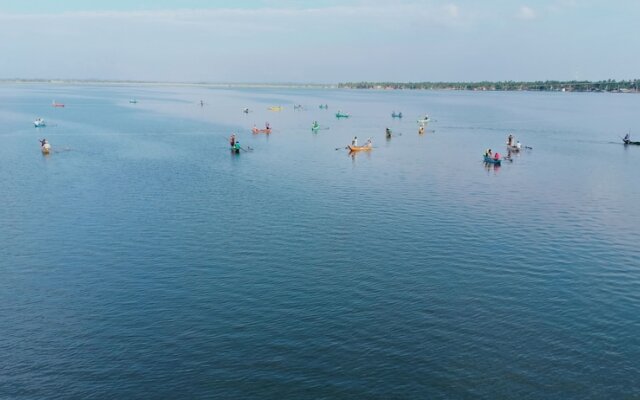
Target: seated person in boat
388	131
487	153
496	156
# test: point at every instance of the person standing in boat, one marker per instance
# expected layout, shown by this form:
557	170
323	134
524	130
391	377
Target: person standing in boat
518	145
354	142
232	139
627	138
388	132
421	130
369	144
510	140
266	126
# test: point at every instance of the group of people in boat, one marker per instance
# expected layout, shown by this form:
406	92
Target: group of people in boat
354	142
517	146
235	144
490	154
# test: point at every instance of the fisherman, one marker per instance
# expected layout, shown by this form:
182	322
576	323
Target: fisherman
237	146
488	153
388	132
354	142
232	139
246	111
510	140
627	138
266	126
518	145
421	130
496	156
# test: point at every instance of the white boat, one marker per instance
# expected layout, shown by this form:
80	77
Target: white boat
424	120
39	122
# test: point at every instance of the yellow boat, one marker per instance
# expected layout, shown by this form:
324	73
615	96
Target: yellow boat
275	108
359	148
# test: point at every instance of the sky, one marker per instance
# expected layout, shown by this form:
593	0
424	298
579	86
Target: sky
261	41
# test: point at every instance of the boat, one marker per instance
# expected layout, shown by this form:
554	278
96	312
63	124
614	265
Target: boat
490	160
360	148
54	104
256	130
45	148
315	127
424	121
514	149
323	106
275	108
394	115
626	142
39	122
133	101
342	115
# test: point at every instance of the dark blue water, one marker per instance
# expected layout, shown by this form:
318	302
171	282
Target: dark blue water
142	260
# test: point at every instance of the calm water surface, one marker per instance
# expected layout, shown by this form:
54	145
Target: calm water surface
142	260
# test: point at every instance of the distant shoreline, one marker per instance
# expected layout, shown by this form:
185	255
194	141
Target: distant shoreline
609	86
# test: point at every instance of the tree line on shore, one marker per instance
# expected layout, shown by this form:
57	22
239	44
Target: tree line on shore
610	85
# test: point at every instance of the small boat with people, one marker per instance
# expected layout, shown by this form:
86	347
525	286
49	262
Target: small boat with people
133	101
354	145
235	144
340	114
491	158
39	122
56	104
396	115
323	106
45	147
275	108
424	121
267	129
627	140
315	127
387	133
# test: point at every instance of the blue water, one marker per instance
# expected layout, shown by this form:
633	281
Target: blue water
142	260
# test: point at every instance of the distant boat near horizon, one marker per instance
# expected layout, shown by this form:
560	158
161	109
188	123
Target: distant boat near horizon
133	101
55	104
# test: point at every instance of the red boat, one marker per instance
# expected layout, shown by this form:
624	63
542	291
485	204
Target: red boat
256	130
54	104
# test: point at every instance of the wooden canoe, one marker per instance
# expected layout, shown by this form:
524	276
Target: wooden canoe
359	148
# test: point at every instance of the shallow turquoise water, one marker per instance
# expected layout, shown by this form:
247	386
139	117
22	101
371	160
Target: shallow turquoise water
141	259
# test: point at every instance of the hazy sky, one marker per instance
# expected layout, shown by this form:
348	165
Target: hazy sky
320	41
